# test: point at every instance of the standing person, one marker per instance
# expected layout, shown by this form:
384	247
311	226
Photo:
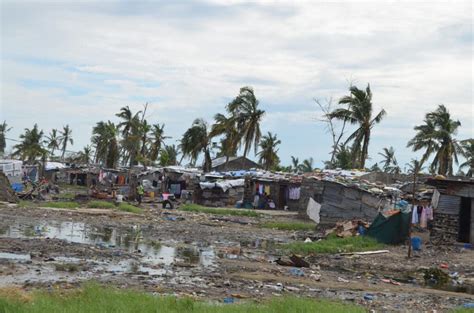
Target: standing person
140	192
256	200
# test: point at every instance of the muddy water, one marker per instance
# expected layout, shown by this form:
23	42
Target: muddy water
143	256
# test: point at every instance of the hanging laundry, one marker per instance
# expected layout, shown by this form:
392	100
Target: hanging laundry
429	213
423	218
260	189
414	215
267	189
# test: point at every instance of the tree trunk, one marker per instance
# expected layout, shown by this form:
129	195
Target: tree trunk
365	149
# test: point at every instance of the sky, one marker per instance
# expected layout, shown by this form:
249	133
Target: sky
79	62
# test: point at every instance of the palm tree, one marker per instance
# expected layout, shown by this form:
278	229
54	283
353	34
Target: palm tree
295	163
306	166
144	129
197	140
65	139
436	136
169	155
344	157
268	155
53	141
468	153
227	127
157	138
390	164
104	138
244	109
3	131
83	156
131	128
359	111
31	146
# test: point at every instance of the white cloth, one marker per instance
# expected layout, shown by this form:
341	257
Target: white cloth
294	193
414	215
313	210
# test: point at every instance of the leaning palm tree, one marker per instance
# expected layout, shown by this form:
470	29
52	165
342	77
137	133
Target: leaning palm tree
268	156
31	146
437	136
53	141
65	139
468	153
169	155
105	140
390	164
197	140
244	108
306	166
157	138
359	111
295	162
3	131
227	127
131	129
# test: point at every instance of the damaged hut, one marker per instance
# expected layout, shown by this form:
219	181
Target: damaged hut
453	203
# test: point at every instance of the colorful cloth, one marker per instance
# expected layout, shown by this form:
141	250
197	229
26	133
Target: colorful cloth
414	215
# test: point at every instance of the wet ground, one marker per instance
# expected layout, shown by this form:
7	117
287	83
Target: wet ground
211	257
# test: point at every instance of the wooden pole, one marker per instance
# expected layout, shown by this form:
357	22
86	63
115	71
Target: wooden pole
413	208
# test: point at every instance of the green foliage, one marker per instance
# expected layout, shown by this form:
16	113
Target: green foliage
97	204
436	136
218	211
31	146
268	155
59	204
95	298
3	131
290	225
334	244
129	208
197	140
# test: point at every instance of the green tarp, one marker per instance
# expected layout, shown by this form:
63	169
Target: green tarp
391	229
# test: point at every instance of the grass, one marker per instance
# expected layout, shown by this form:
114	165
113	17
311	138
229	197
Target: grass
59	204
27	204
129	208
94	298
290	225
98	204
335	244
67	195
218	211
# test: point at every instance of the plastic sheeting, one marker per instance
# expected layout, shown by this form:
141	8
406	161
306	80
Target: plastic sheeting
313	210
223	184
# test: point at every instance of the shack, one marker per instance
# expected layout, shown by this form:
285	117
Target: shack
221	192
453	203
341	201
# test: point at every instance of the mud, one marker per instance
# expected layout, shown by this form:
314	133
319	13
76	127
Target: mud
175	252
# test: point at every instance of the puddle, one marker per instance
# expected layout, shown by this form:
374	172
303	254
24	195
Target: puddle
14	256
131	240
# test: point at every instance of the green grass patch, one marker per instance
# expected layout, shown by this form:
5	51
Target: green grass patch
334	244
67	195
27	204
290	225
98	204
129	208
59	204
218	211
95	298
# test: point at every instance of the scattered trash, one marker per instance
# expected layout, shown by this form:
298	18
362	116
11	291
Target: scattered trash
342	280
416	243
316	277
348	228
298	261
368	297
229	300
444	265
307	240
469	305
365	252
296	272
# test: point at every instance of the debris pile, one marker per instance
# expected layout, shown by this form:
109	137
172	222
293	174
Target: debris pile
347	228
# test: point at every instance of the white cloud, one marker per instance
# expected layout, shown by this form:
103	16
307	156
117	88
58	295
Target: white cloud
188	59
